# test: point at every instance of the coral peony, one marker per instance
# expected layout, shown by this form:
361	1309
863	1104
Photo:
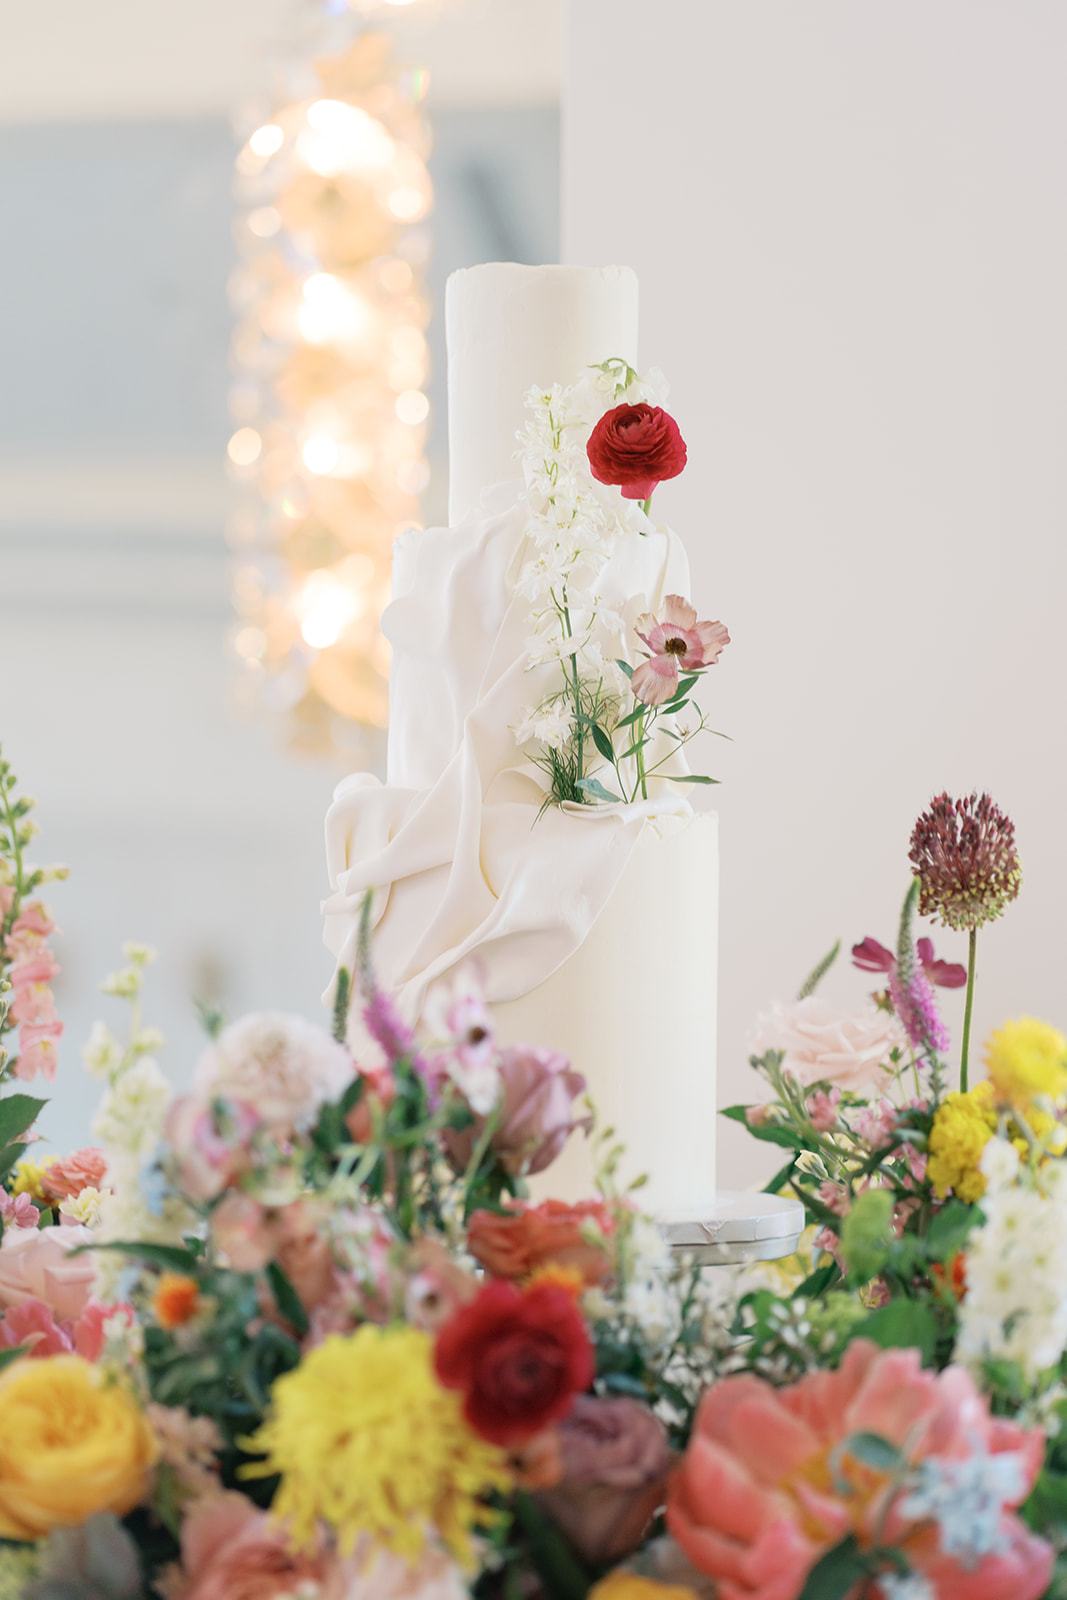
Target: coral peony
679	643
615	1460
636	447
277	1063
768	1483
824	1045
67	1177
514	1243
519	1358
37	1264
536	1112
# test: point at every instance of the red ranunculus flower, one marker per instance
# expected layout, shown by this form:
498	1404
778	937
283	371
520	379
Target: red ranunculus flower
636	447
519	1358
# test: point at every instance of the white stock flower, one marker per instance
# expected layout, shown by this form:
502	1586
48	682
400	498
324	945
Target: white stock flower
1000	1163
123	985
83	1207
130	1116
102	1053
1015	1308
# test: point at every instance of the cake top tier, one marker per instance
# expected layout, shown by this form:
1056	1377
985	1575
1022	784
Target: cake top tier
509	328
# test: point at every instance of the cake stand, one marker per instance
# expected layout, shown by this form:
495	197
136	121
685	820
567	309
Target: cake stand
737	1228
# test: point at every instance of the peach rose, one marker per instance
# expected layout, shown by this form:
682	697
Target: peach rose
37	1264
67	1177
824	1045
233	1551
514	1243
615	1461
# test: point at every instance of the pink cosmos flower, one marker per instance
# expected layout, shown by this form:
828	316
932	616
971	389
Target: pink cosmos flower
758	1498
870	956
679	643
37	1050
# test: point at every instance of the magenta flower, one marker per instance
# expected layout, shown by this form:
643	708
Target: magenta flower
679	643
870	956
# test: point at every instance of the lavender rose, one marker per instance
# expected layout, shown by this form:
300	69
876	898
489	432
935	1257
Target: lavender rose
615	1460
536	1112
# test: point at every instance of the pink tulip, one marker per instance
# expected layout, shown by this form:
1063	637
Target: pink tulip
37	1050
678	642
756	1503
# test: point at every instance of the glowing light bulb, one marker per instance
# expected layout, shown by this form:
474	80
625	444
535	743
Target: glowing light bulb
244	447
266	140
325	607
320	454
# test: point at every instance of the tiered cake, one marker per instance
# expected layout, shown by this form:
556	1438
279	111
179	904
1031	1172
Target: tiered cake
595	925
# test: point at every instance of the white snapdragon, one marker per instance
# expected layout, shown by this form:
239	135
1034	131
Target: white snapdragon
103	1053
130	1118
1016	1303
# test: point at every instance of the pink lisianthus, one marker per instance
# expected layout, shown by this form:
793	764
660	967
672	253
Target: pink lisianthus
768	1483
38	1264
37	1050
209	1144
850	1049
822	1109
536	1112
67	1177
679	643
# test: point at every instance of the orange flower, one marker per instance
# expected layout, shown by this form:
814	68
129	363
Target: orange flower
514	1243
569	1279
176	1299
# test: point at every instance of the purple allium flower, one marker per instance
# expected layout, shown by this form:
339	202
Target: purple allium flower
963	854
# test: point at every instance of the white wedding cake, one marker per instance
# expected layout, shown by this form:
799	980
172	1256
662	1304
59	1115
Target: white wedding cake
595	924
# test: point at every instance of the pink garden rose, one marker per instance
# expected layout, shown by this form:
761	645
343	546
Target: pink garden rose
280	1064
37	1264
615	1459
823	1044
678	643
536	1112
757	1500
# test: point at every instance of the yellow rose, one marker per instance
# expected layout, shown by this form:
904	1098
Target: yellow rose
621	1584
73	1444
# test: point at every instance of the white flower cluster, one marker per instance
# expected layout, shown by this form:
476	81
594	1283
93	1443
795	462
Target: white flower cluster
1015	1308
128	1126
967	1499
572	526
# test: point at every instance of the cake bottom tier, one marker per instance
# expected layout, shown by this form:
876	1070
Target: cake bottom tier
635	1009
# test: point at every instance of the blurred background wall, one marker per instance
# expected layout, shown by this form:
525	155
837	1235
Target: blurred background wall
183	826
849	227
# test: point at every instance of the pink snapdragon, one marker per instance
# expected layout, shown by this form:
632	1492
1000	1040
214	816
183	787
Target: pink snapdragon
678	643
37	1050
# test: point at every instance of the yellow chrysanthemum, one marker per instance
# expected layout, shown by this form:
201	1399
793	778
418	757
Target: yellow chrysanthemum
26	1178
625	1585
367	1441
963	1126
1027	1058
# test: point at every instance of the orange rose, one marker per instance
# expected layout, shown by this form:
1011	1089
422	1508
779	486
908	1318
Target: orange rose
513	1243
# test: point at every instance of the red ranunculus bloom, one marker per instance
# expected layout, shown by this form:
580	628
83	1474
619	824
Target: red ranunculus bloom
519	1358
636	447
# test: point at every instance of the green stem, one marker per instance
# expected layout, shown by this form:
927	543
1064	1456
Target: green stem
646	506
972	948
640	742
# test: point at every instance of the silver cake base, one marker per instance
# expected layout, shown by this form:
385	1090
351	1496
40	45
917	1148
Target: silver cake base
736	1228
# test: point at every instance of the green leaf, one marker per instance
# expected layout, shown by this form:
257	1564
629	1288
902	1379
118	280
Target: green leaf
906	1323
562	1574
690	681
872	1450
674	706
8	1356
949	1229
602	742
771	1134
781	1177
17	1113
837	1573
625	722
9	1156
594	787
626	667
816	1283
175	1257
690	777
286	1298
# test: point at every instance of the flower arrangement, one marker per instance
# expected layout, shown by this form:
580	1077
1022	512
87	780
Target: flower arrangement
304	1331
606	725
